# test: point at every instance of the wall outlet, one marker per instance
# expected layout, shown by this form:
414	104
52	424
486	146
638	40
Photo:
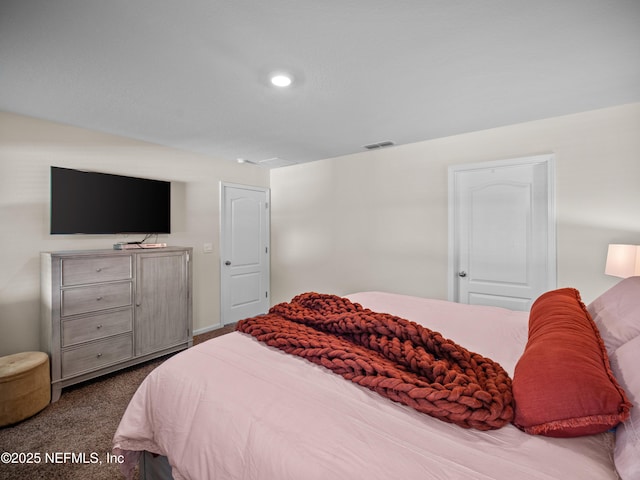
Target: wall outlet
207	247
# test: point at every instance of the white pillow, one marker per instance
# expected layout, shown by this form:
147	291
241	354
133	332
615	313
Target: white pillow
617	313
624	363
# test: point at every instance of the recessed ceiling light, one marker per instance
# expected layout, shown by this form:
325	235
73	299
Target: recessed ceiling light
281	80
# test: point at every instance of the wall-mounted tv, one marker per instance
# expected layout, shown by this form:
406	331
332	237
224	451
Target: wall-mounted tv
102	203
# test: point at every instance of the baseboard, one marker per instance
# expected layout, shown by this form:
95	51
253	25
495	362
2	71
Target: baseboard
208	329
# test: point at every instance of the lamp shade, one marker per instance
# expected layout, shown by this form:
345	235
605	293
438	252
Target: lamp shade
623	260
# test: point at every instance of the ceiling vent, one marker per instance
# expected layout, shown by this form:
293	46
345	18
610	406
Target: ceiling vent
373	146
275	163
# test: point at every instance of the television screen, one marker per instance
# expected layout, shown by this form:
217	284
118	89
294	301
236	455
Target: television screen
102	203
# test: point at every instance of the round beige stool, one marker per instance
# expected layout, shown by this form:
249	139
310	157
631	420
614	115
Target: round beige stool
25	386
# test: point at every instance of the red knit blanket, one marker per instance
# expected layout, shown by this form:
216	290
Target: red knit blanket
397	358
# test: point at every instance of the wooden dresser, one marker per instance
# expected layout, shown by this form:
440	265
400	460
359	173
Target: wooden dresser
103	310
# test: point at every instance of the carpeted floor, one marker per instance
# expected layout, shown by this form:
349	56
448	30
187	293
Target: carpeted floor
82	422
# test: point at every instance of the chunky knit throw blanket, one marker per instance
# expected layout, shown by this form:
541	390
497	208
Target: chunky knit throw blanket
397	358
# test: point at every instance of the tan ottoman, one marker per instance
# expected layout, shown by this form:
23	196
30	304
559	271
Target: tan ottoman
25	386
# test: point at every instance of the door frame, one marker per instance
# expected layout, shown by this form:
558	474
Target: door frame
548	160
267	192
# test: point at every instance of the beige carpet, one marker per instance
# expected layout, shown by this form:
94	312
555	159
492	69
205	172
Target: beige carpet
82	422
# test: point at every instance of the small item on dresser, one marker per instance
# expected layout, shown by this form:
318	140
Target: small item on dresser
137	245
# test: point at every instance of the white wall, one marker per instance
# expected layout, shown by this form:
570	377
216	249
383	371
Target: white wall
378	220
28	147
375	220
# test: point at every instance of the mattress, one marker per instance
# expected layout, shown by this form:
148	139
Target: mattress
234	408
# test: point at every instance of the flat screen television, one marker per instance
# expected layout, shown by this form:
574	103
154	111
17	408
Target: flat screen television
102	203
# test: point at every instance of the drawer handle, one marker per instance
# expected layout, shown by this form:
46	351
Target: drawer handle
99	269
99	355
98	299
99	327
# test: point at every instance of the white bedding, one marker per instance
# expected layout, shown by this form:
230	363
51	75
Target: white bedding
233	408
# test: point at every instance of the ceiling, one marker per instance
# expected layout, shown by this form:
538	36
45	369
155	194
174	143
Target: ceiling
195	75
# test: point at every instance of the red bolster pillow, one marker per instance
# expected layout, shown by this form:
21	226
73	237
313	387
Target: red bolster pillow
563	385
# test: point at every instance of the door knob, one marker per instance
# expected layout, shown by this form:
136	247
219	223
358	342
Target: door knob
227	263
462	273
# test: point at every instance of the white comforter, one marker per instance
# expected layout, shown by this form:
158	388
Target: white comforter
233	408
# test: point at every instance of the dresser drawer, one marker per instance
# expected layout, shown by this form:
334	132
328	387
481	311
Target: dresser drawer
79	330
94	298
78	271
95	355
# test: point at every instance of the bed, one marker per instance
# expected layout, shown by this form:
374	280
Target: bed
235	408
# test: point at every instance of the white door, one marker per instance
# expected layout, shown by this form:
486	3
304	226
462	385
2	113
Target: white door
502	232
244	250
